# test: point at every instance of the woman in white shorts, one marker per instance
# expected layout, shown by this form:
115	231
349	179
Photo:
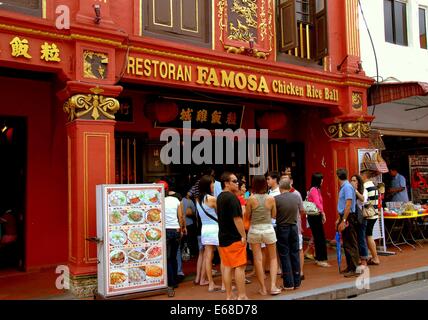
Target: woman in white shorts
206	206
261	209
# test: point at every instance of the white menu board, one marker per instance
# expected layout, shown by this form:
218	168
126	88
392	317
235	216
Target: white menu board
132	255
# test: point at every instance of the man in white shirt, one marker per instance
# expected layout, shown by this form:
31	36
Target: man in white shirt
272	180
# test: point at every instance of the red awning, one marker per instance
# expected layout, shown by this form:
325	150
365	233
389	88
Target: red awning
387	92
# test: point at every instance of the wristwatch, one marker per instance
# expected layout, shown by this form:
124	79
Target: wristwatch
344	220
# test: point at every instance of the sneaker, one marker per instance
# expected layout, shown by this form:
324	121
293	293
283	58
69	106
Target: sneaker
323	264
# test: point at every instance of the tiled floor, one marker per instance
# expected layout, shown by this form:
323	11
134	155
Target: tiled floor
41	285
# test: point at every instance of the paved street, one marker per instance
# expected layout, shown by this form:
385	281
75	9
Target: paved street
417	290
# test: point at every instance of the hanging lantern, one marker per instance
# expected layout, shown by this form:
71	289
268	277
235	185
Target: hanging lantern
161	110
272	120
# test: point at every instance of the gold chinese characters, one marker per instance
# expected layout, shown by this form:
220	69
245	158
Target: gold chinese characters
21	48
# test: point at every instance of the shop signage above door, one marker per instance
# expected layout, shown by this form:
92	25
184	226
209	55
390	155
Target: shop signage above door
236	78
205	114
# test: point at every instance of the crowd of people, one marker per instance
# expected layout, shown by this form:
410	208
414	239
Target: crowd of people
223	222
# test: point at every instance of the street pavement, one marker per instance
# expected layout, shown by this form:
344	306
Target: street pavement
417	290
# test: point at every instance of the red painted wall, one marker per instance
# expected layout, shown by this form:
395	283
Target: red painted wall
46	183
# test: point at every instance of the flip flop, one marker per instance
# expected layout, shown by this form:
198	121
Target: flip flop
372	263
215	289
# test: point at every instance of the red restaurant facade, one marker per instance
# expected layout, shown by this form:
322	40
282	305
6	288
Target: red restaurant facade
87	103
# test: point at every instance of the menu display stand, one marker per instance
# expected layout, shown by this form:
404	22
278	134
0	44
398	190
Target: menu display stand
132	241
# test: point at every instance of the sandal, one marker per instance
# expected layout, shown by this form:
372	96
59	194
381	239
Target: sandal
275	292
372	263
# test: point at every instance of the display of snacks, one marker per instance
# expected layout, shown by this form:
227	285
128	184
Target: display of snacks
153	216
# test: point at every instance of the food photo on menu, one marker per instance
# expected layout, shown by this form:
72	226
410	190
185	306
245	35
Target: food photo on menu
135	238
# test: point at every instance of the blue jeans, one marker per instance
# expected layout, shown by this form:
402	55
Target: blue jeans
288	249
362	241
172	243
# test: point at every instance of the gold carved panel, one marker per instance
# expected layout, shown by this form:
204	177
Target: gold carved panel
87	106
349	130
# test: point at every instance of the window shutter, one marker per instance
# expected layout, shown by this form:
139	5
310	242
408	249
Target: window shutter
321	39
287	26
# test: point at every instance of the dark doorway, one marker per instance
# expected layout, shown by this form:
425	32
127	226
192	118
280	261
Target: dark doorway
13	161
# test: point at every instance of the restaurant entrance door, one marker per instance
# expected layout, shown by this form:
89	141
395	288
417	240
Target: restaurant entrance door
13	161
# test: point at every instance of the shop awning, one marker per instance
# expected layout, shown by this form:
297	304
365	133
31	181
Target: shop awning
400	108
387	92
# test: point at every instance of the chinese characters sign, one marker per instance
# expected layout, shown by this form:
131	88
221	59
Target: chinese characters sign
206	114
20	48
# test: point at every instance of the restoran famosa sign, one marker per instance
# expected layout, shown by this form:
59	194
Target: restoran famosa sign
198	75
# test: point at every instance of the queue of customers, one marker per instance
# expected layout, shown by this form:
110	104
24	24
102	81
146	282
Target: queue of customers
263	226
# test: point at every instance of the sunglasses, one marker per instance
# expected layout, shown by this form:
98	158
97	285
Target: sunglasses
234	181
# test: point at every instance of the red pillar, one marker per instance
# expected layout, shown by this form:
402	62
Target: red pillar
91	159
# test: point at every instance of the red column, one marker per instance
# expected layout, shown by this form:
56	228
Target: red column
91	160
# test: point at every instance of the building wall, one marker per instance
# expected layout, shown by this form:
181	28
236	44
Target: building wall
395	61
46	184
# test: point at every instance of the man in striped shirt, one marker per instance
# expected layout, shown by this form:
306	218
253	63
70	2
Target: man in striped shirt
373	199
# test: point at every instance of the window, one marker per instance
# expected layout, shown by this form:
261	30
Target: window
178	20
30	7
422	28
395	21
302	26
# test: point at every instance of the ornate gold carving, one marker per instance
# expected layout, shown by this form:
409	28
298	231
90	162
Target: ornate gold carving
221	12
260	54
270	25
349	130
246	9
357	100
231	49
91	105
95	65
263	25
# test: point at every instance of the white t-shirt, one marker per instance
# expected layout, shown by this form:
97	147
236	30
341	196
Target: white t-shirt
171	213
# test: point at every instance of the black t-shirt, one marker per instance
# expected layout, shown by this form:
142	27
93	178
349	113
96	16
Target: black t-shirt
228	207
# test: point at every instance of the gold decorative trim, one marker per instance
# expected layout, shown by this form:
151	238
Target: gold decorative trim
106	137
70	220
352	28
140	18
221	16
93	105
357	100
349	130
263	24
44	9
270	26
180	56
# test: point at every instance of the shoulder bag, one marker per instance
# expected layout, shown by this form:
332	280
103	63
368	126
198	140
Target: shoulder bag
309	207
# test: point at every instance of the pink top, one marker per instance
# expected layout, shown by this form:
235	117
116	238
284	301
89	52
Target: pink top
315	197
